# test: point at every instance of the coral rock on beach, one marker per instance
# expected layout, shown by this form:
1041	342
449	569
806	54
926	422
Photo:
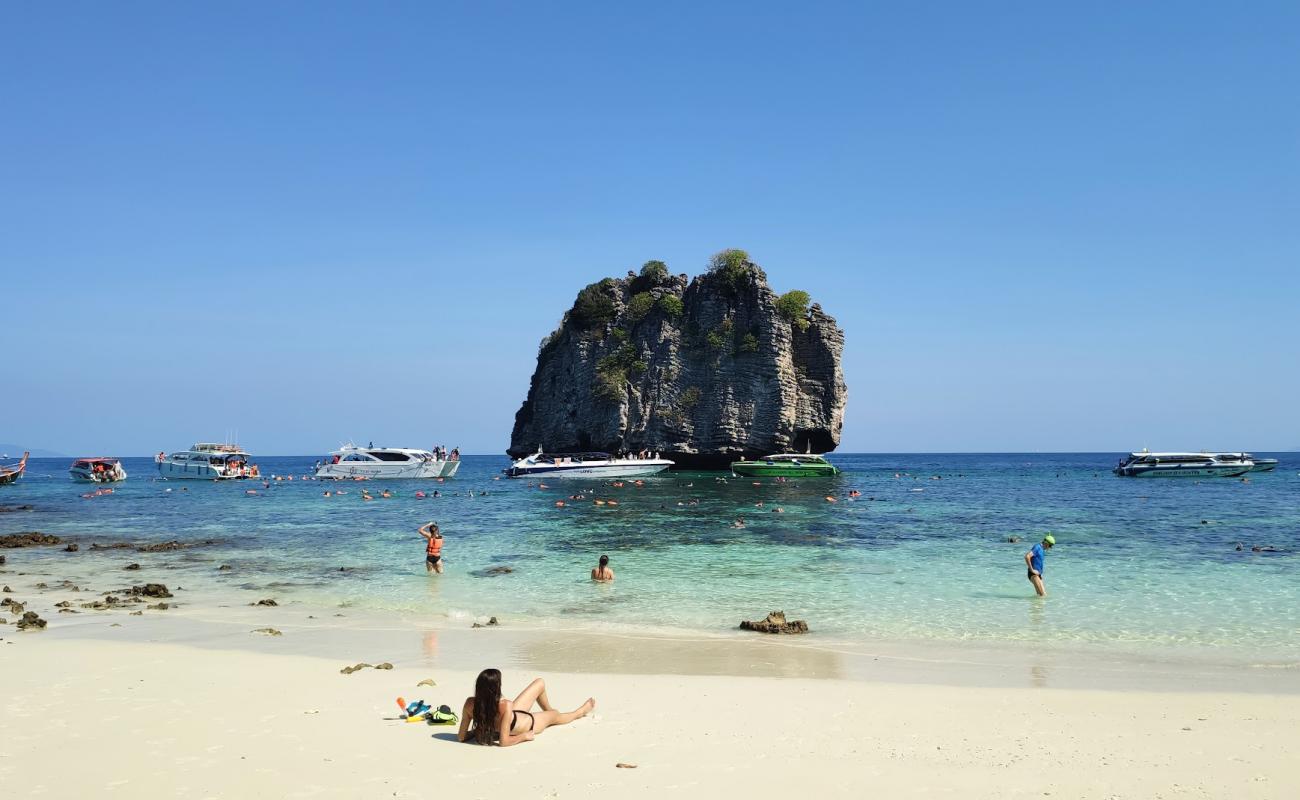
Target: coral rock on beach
148	590
775	623
31	621
28	539
268	631
265	602
72	548
702	370
131	566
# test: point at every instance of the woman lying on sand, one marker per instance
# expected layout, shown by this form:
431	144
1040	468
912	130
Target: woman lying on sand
501	721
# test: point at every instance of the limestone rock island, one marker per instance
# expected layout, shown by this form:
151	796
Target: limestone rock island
702	371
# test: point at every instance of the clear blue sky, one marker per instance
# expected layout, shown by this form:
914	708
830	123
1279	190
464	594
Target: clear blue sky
1042	226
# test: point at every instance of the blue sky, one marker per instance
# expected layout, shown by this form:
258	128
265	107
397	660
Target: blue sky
1042	227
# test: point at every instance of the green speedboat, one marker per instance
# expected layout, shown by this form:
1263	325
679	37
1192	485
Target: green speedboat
786	465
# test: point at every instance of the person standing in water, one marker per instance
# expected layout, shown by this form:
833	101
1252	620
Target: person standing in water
432	553
602	572
1034	561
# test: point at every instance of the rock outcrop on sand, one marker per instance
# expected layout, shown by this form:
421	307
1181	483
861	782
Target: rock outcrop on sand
701	370
775	623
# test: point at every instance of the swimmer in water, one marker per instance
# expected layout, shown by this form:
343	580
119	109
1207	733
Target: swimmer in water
602	573
433	550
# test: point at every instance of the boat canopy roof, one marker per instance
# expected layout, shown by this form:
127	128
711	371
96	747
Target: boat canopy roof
793	457
213	447
96	459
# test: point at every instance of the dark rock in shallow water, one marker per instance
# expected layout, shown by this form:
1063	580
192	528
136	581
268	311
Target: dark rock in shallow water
491	571
163	547
224	568
149	590
384	665
7	590
8	509
702	372
492	621
775	623
28	539
131	566
267	602
1013	539
112	546
158	607
72	548
2	561
354	668
31	621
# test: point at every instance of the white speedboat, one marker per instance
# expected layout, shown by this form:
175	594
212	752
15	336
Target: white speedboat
586	465
1181	465
207	461
97	470
1259	464
350	461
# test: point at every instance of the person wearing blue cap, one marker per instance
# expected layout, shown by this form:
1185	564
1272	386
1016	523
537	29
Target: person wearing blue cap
1034	561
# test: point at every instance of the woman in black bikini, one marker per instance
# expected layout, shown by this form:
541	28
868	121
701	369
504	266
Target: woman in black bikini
499	721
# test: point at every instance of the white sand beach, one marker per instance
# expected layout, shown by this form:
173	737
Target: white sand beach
150	716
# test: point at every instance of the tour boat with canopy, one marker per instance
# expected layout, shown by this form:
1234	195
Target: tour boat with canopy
208	461
1181	465
100	469
786	465
350	461
586	465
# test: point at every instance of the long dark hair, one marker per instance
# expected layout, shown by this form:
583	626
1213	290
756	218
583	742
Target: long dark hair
487	706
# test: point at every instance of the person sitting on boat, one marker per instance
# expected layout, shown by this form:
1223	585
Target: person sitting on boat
496	720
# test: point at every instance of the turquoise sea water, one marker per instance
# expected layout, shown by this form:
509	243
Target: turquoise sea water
1148	566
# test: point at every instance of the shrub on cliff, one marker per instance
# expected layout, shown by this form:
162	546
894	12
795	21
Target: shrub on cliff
793	306
594	307
671	305
612	372
653	274
732	267
639	306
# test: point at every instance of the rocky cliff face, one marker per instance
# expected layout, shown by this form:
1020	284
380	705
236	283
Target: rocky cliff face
702	371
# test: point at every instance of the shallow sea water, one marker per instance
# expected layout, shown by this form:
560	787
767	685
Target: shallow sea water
1143	566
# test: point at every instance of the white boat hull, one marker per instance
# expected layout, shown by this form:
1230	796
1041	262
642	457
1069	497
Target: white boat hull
1185	471
598	471
385	471
83	476
194	471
